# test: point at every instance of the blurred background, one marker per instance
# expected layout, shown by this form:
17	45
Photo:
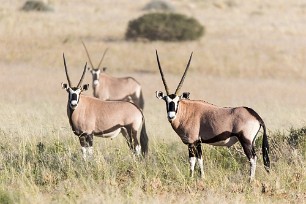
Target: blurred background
245	53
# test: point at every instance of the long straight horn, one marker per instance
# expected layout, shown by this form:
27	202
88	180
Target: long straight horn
183	77
68	79
162	74
88	55
102	58
80	82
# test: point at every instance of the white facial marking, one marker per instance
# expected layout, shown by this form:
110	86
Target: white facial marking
171	115
74	102
172	105
96	82
74	97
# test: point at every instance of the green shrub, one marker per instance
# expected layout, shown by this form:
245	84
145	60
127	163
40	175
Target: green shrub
5	198
33	5
165	27
297	138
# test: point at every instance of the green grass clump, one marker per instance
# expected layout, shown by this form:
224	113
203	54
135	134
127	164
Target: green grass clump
165	27
53	167
5	198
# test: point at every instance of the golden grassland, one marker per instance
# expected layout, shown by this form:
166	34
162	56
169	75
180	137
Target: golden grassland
252	54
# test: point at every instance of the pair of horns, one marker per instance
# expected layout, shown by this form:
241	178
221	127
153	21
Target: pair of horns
68	79
90	59
163	77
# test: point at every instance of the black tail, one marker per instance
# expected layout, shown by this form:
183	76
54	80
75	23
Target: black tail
141	101
265	149
144	140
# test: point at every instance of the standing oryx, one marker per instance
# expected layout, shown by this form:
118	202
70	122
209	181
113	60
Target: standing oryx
107	87
199	122
89	116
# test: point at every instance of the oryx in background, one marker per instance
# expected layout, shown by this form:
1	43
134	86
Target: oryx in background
107	87
199	122
89	116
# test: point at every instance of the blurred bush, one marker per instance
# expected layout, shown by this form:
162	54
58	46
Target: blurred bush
36	6
165	27
297	138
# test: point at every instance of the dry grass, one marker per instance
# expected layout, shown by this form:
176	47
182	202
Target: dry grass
253	54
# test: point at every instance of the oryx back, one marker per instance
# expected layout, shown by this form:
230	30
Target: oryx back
97	117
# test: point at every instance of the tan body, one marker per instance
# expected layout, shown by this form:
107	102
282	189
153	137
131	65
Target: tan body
113	88
89	116
93	116
208	121
106	87
198	122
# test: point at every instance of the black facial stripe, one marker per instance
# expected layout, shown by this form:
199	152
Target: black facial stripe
95	76
74	96
171	106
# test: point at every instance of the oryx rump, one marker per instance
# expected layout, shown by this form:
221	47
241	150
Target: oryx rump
107	87
89	116
199	122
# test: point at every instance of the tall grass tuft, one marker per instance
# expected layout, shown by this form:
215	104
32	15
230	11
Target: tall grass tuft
53	170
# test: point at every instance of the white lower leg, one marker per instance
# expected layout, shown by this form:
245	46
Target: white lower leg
84	150
200	163
252	168
192	162
138	150
90	152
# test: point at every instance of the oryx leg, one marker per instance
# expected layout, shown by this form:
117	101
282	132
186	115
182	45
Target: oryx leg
251	155
86	142
89	140
127	137
131	138
136	145
200	158
195	155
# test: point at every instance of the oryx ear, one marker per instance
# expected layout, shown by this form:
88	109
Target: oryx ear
104	68
64	86
89	69
159	95
85	87
185	95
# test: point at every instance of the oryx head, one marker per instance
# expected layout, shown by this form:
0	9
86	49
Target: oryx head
74	92
95	71
172	100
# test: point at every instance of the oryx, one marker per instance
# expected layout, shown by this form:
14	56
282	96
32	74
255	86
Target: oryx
107	87
89	116
199	122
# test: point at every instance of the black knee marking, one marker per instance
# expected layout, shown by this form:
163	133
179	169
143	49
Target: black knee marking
191	150
89	140
195	149
248	150
83	142
86	140
199	150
